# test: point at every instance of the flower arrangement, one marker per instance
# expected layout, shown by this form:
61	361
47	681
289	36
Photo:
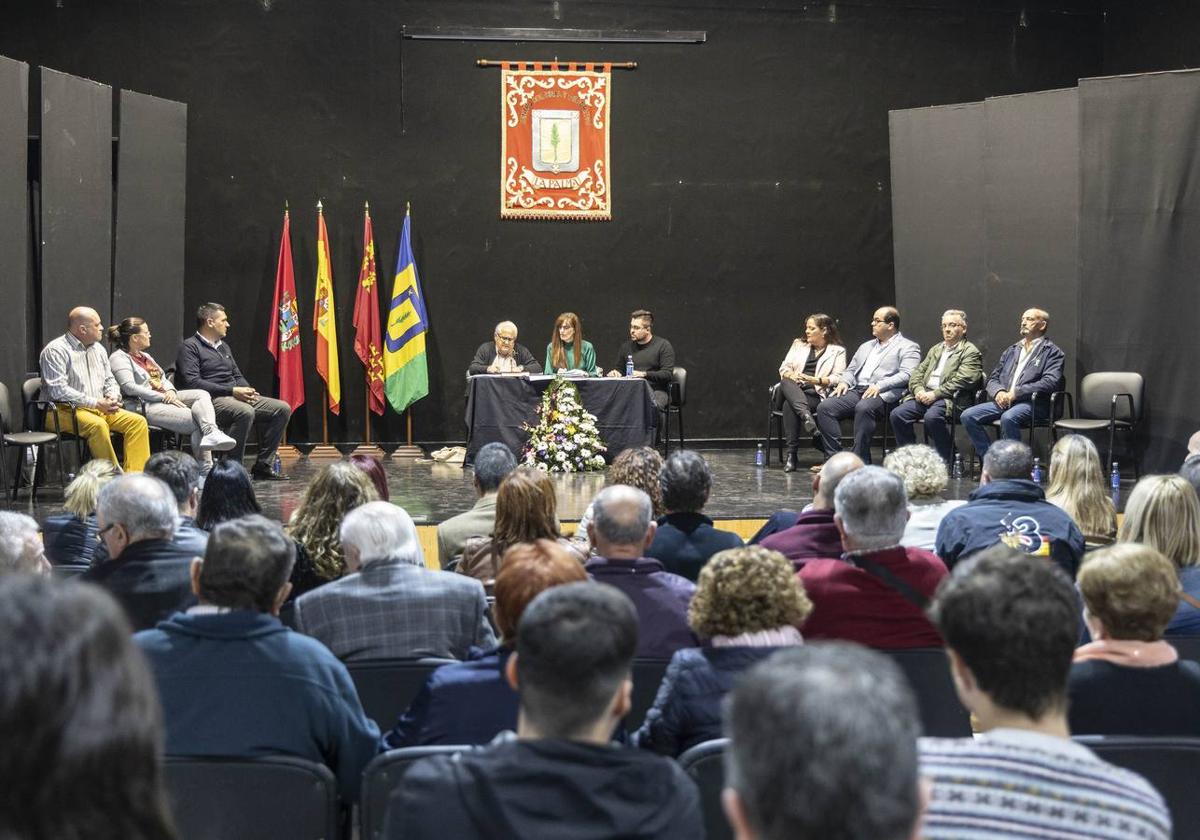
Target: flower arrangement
565	438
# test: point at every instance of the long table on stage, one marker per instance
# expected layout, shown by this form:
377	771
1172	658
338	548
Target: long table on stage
498	405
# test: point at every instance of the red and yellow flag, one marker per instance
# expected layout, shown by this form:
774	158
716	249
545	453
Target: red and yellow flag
368	344
325	319
283	336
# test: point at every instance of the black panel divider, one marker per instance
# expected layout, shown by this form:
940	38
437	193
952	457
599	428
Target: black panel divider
14	228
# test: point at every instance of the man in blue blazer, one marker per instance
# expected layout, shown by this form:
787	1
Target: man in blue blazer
876	376
1034	365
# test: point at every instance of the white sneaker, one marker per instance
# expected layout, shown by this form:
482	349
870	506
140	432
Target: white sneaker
217	440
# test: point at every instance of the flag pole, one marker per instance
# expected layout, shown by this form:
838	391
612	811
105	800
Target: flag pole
407	451
324	450
285	450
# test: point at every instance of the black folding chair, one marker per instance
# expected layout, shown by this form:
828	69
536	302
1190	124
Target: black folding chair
705	763
928	672
1169	764
647	677
386	687
382	776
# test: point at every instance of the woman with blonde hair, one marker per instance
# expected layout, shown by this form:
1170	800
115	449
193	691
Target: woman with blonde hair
567	351
748	604
1163	512
69	537
1128	681
1077	486
338	487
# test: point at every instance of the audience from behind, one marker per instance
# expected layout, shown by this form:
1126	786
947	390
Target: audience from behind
70	536
471	702
337	489
1193	444
748	603
389	605
228	494
79	719
1078	486
21	545
526	510
181	473
1163	513
686	538
235	682
1010	508
561	776
925	480
373	467
147	572
876	592
823	744
1129	681
1191	471
620	533
637	467
1010	622
813	533
492	463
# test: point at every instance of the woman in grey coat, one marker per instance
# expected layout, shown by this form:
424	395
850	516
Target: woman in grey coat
143	380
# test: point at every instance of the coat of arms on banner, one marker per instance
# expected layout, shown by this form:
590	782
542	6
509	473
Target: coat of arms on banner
554	142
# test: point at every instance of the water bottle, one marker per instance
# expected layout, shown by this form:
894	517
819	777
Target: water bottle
1036	473
760	457
1114	478
629	365
277	465
956	472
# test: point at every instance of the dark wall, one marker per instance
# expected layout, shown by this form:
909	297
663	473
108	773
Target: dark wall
1141	37
750	173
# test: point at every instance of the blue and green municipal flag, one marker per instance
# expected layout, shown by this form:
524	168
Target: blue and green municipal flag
405	373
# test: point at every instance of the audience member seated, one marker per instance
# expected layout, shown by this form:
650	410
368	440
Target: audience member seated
180	472
337	489
813	533
561	776
493	462
147	572
686	538
502	354
1078	486
876	592
70	536
804	376
925	480
568	351
1191	471
79	720
471	702
389	605
227	494
748	604
1193	446
1010	622
1008	507
526	510
373	468
637	467
234	681
823	744
20	545
1164	514
1129	681
621	532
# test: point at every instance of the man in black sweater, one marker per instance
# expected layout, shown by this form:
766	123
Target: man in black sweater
653	356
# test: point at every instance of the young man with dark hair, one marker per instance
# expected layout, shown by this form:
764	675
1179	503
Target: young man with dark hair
1011	623
686	538
561	777
653	357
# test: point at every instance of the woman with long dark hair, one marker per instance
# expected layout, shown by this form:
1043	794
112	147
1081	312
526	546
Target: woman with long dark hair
806	377
227	494
567	350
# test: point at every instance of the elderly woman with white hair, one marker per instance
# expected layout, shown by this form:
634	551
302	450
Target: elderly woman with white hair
925	480
388	605
20	545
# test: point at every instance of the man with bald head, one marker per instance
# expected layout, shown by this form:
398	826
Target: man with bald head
815	534
77	379
621	530
1034	365
503	355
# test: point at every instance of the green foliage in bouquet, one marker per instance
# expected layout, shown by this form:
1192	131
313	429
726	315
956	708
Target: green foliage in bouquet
565	438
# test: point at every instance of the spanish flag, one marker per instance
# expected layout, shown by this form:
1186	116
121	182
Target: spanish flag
406	375
325	319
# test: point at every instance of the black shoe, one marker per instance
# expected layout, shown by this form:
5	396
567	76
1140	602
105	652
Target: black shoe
790	465
261	472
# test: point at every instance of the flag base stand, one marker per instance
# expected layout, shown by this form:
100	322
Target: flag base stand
287	452
405	452
324	452
368	449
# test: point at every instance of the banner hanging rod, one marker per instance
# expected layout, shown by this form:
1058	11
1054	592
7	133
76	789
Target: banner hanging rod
595	36
615	65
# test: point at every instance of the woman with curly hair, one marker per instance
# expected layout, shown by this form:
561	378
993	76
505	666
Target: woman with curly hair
337	488
925	479
1077	486
70	537
748	603
636	467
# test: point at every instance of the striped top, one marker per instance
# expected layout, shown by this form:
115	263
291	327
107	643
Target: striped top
1014	783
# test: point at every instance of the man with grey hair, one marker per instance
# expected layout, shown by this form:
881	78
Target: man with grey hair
1191	471
814	534
492	463
235	682
875	593
621	530
20	545
388	605
503	355
823	743
146	571
1008	507
945	382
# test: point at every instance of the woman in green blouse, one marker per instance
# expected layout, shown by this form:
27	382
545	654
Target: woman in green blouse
567	350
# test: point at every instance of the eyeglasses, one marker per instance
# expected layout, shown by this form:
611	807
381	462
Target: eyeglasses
506	339
100	534
878	320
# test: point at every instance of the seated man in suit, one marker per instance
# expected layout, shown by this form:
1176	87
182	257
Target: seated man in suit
388	605
945	381
876	376
561	776
503	355
1034	365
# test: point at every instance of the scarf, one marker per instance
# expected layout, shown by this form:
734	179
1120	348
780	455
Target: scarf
146	363
775	637
1128	652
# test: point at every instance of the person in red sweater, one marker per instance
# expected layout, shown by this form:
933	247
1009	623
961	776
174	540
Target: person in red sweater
876	592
